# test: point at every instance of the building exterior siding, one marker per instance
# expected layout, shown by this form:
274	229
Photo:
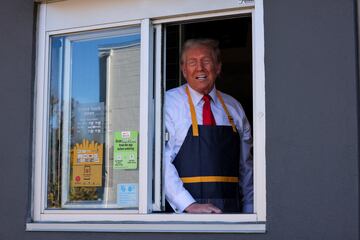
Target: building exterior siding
312	140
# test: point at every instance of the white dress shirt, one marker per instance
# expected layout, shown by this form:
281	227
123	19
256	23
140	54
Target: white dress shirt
177	124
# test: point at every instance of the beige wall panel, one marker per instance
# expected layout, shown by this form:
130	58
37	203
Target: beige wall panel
80	13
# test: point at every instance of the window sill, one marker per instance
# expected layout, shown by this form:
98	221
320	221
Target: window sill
197	227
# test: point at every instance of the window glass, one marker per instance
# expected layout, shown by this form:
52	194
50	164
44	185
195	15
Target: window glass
94	120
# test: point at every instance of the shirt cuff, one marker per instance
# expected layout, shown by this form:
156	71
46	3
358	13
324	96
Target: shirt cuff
183	200
248	208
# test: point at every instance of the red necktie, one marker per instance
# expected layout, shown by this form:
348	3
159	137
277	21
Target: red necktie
208	117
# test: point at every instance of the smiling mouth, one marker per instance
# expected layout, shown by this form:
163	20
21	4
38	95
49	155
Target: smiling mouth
201	77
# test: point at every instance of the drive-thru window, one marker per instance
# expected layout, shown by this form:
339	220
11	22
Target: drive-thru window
102	69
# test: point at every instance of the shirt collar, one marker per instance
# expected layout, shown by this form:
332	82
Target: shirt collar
197	97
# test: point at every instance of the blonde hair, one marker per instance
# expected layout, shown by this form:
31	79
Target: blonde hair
211	44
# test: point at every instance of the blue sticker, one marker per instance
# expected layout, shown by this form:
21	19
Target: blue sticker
127	195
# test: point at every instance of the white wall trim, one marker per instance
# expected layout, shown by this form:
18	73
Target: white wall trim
203	15
94	12
150	227
134	23
259	115
145	131
41	99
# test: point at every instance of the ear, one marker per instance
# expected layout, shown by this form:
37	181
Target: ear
183	70
218	68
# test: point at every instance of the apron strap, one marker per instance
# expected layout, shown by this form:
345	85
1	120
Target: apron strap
231	120
195	128
202	179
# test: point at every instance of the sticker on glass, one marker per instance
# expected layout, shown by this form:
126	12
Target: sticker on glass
126	150
127	195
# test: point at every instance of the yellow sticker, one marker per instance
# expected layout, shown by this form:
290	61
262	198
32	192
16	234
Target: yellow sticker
86	163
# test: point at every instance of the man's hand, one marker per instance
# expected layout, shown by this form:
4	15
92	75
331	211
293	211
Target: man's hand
202	208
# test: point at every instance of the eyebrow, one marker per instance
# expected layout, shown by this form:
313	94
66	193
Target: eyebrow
204	58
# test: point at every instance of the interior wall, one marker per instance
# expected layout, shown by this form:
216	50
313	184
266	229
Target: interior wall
312	128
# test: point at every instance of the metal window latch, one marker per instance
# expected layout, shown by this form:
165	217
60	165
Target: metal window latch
166	136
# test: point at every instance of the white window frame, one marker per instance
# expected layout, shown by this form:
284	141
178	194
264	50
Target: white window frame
142	220
66	115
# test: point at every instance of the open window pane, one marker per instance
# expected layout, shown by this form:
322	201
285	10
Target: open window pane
234	35
94	120
235	42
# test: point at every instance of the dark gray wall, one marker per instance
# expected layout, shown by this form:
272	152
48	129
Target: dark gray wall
312	129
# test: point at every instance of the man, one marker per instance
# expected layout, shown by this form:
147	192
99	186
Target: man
208	162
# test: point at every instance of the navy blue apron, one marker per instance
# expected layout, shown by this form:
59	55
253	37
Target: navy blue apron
208	163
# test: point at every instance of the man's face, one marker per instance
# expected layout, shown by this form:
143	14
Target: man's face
200	69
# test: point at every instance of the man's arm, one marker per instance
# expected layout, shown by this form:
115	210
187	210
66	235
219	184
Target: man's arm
177	196
246	167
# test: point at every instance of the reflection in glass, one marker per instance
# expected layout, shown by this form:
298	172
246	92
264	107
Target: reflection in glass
95	83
